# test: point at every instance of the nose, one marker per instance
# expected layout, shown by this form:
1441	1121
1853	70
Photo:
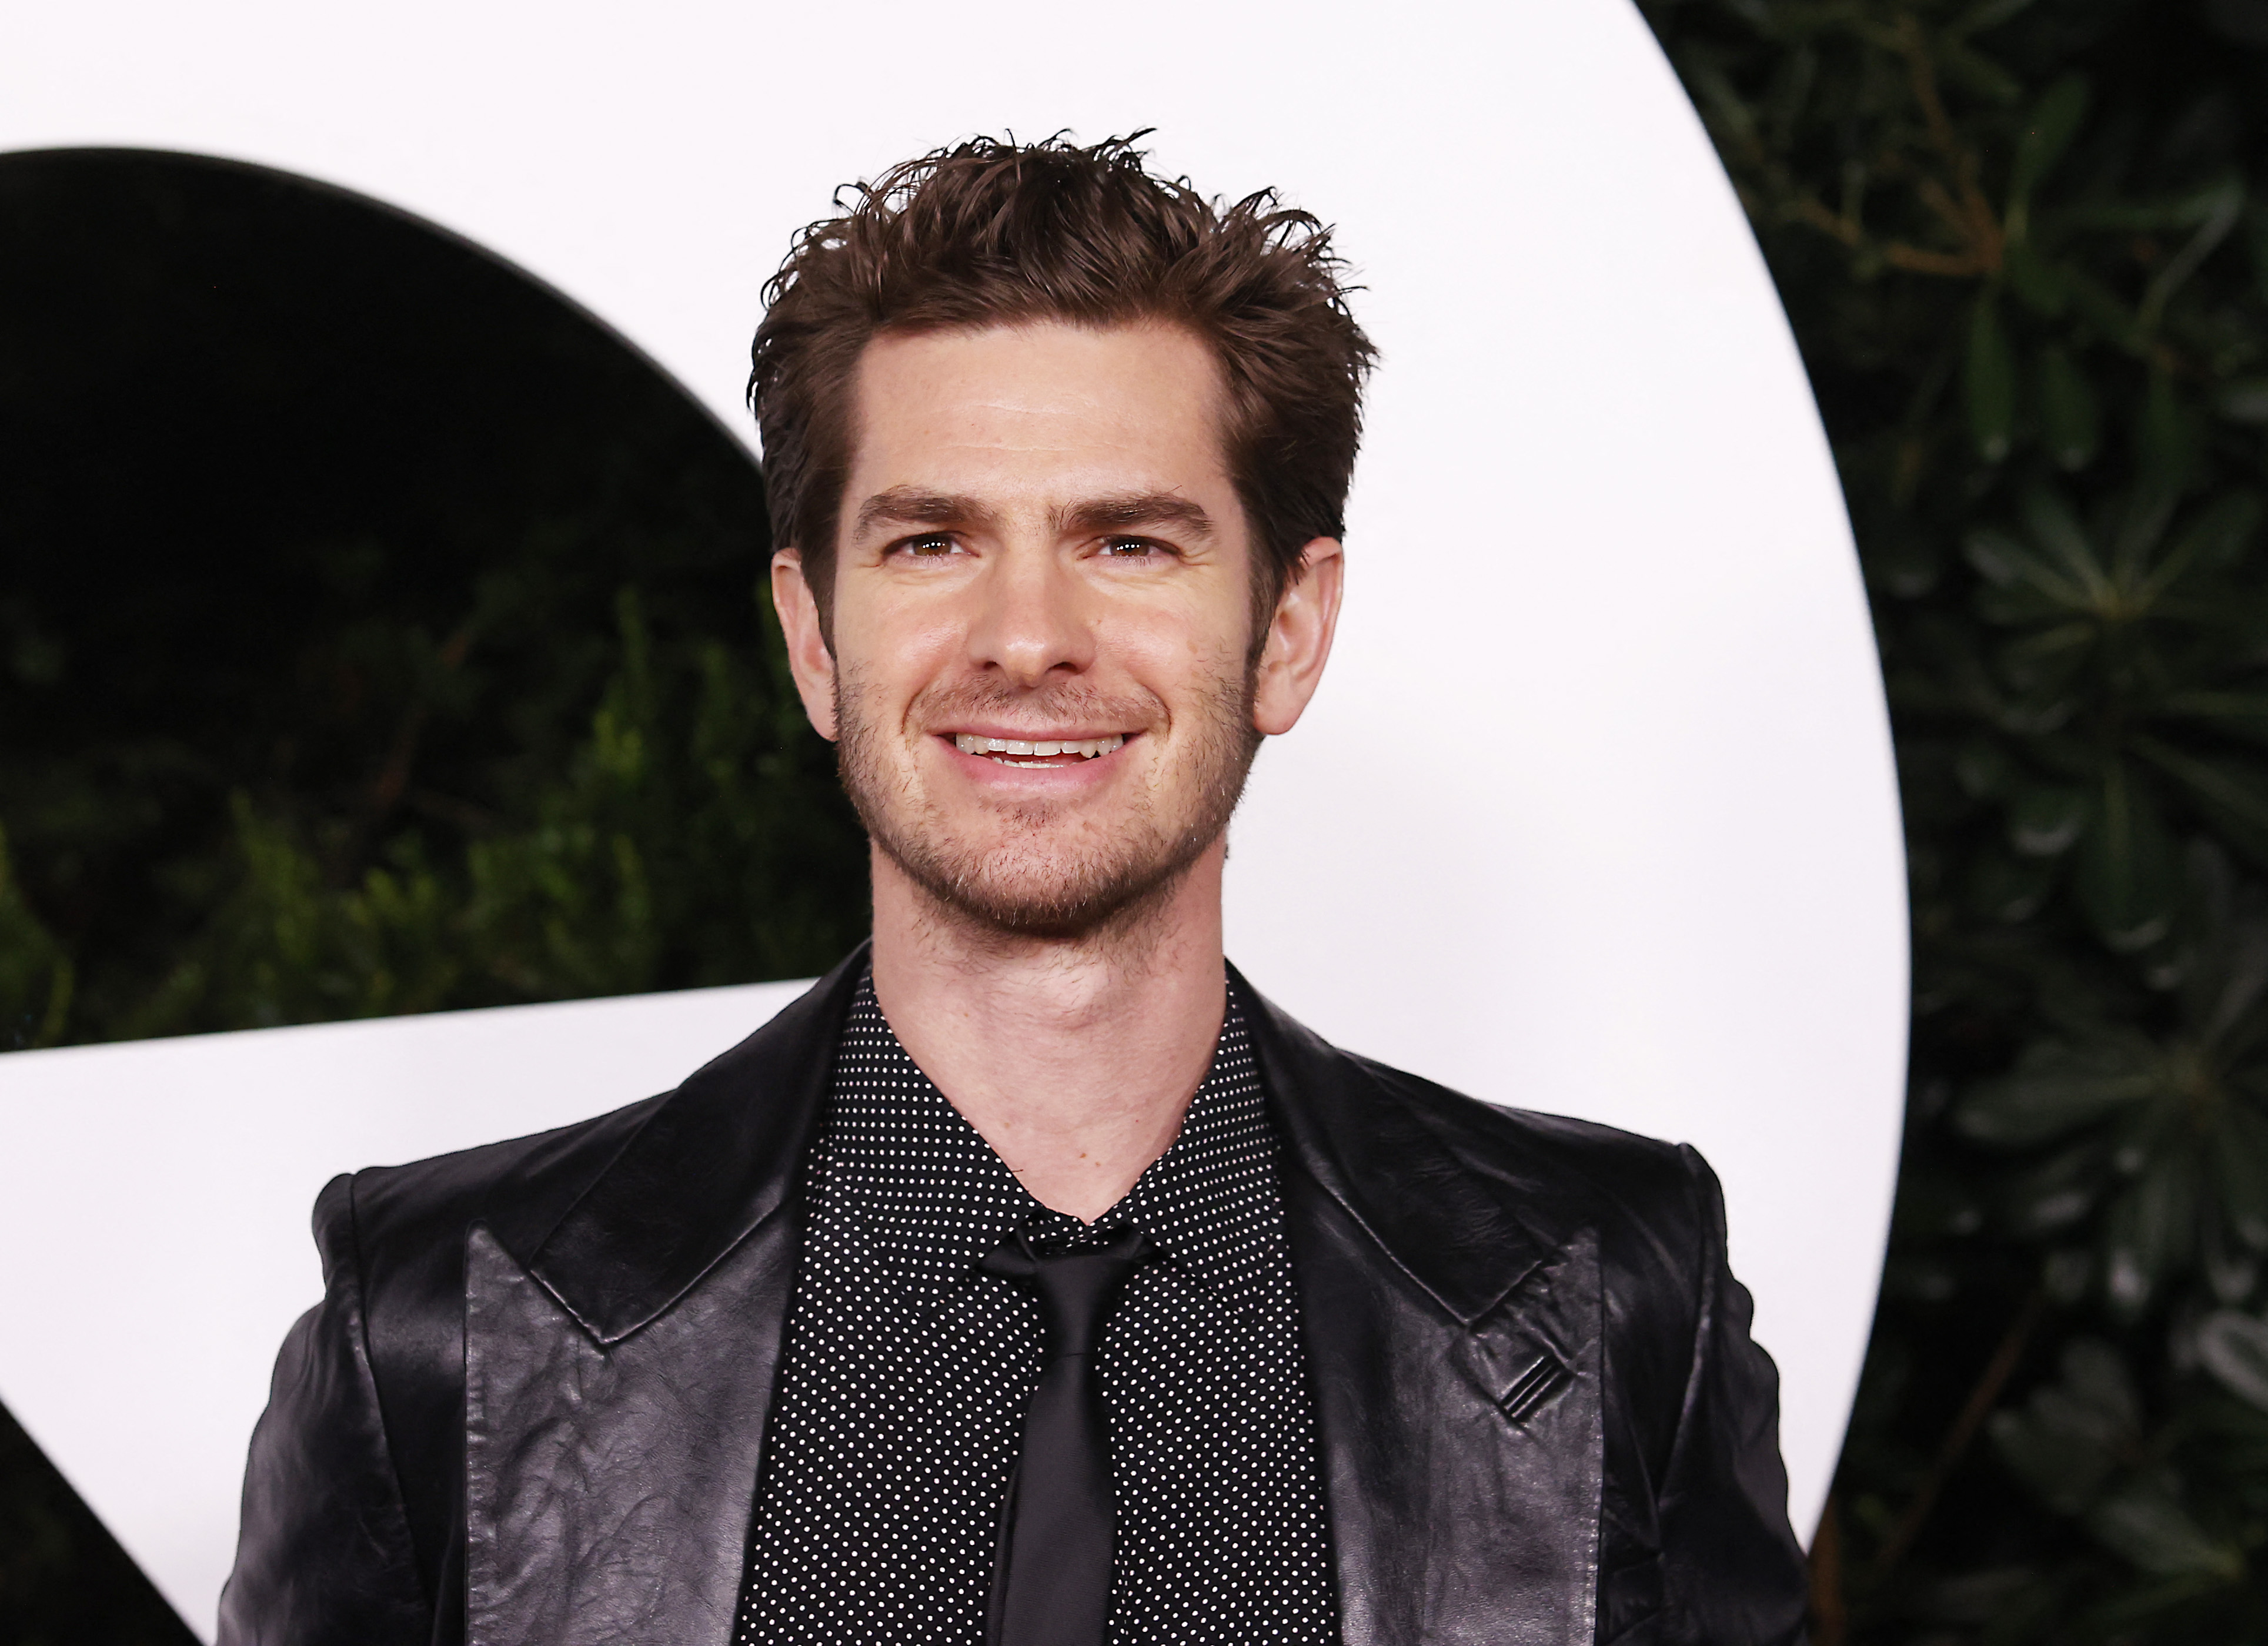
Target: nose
1030	623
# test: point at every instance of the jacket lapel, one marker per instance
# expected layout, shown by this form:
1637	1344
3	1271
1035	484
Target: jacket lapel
1453	1315
617	1381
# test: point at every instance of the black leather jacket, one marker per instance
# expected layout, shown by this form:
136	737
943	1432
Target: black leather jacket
530	1408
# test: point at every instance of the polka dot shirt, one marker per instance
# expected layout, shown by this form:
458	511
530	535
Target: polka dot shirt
902	1398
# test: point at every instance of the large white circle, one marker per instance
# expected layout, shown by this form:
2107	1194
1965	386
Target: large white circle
1595	812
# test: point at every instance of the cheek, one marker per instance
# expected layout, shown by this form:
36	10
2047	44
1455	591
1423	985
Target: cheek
897	646
1177	655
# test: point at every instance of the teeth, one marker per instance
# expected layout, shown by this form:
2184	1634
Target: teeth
969	743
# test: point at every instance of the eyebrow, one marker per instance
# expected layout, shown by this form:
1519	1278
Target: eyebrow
1133	512
908	505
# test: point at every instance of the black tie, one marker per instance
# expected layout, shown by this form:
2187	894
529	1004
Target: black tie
1051	1578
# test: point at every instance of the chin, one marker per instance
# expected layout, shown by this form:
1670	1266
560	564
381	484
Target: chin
1017	890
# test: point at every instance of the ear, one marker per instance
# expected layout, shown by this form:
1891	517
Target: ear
808	659
1299	637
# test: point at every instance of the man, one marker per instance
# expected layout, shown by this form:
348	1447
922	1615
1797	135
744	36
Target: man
1032	1281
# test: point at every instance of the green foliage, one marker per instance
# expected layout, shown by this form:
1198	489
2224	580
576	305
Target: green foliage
35	974
676	847
694	834
2025	250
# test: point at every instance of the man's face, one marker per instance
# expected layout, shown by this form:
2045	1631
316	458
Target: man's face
1040	672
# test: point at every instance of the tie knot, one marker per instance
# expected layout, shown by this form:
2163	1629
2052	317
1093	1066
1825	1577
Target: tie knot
1076	1287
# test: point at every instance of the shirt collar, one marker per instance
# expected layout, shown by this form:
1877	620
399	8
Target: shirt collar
926	1192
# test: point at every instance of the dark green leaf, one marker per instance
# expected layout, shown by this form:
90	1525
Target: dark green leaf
1992	380
2053	121
2046	661
2233	792
2044	818
2218	535
2151	1232
2037	586
2038	282
2234	1348
2059	1192
2166	445
2093	301
2071	417
1999	558
2066	1439
2058	1088
2149	1527
2240	1161
1978	74
1981	764
1909	568
2064	1468
2098	1376
2245	400
2067	1275
1993	1595
2128	874
1986	15
2001	888
2055	528
2215	209
36	976
2138	528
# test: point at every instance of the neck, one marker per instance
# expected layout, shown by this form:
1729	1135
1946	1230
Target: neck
1075	1058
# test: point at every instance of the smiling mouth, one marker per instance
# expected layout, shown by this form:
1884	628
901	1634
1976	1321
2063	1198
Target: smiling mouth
1037	751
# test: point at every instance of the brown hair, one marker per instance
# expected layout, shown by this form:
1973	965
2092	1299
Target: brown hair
998	234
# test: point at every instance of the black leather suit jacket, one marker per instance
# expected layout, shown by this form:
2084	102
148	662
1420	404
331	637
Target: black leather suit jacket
530	1408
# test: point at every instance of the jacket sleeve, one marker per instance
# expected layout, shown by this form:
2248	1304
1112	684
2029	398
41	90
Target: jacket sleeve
1732	1569
323	1554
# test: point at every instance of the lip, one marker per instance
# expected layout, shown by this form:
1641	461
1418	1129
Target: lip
1056	776
1020	735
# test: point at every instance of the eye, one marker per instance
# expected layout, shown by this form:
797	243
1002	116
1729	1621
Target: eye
1133	550
928	546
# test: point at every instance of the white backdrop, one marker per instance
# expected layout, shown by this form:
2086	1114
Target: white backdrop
1595	812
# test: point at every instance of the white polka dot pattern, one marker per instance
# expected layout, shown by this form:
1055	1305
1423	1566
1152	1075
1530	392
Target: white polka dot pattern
907	1372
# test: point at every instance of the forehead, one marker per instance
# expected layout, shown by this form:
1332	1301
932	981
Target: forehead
1047	405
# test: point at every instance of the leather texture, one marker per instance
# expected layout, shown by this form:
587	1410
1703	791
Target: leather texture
530	1408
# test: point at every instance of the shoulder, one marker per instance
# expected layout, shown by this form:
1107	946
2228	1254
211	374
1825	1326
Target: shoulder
1463	1192
1604	1167
395	1236
1641	1184
1653	1207
1424	1155
396	1222
1466	1196
392	1245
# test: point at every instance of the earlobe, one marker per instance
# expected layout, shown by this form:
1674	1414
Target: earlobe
808	659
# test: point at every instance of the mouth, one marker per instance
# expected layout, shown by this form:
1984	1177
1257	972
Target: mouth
1041	753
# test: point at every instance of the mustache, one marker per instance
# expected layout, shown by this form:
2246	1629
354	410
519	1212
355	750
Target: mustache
1074	702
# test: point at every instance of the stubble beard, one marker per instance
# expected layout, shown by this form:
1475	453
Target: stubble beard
1029	870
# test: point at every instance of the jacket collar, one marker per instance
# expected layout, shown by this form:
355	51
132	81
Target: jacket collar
715	1160
1467	1230
725	1150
